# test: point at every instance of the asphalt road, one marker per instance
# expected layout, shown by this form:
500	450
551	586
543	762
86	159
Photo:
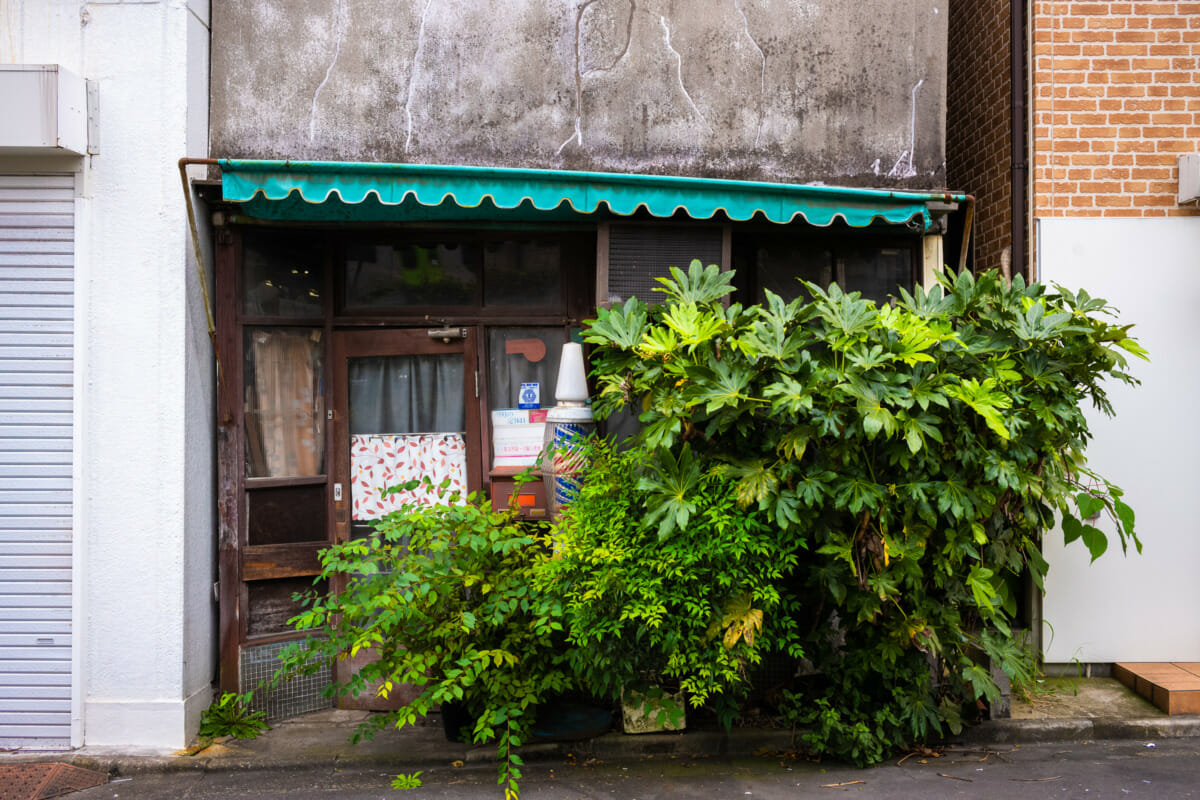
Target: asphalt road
1103	769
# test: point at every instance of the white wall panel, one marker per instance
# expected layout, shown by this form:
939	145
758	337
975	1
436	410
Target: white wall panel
1136	608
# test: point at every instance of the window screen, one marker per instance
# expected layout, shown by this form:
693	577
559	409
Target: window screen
876	269
637	254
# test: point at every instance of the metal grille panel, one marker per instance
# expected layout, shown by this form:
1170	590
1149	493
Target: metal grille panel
37	256
637	254
256	668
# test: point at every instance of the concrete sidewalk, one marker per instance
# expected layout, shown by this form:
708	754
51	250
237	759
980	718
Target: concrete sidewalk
1065	710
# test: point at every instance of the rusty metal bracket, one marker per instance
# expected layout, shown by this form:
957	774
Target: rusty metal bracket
199	255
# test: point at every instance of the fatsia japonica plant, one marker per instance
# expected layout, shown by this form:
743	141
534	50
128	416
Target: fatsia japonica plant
910	455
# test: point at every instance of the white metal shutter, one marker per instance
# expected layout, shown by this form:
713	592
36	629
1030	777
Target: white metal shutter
37	235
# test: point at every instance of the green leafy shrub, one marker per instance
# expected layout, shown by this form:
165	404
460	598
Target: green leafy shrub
696	608
443	596
907	457
231	715
856	486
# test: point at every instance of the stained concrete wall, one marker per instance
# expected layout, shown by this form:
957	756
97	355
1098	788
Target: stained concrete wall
841	91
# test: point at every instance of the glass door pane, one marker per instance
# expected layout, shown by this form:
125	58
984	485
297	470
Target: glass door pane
407	422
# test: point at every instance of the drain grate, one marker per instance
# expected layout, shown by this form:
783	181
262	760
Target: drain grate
43	781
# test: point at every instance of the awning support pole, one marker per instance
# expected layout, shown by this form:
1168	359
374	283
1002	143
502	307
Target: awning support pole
966	237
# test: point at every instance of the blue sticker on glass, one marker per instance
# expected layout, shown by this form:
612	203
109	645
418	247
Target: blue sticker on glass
530	396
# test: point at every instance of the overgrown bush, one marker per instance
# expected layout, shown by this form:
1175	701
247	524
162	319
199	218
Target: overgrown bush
694	609
907	456
858	488
443	597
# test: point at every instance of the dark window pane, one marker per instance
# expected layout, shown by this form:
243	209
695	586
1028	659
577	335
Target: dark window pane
525	273
781	266
286	514
271	604
281	275
872	269
389	275
284	405
523	355
875	271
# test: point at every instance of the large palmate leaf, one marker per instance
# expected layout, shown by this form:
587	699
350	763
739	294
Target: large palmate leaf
787	395
756	480
847	314
722	385
622	326
694	325
700	285
985	400
670	482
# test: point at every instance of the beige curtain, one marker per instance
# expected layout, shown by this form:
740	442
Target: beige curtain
285	415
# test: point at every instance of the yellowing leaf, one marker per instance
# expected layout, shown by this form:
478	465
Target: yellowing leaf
739	621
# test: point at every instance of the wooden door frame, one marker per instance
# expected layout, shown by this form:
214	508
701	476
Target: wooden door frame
359	343
578	274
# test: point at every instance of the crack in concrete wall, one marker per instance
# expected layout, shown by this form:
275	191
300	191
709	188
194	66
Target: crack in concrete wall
903	168
412	77
755	89
339	29
762	91
581	73
679	72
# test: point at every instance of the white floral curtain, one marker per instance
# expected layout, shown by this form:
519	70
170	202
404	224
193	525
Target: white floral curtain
379	461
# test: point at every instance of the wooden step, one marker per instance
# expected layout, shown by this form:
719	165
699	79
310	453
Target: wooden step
1172	686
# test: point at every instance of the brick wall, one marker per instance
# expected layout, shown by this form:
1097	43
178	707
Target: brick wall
978	121
1117	100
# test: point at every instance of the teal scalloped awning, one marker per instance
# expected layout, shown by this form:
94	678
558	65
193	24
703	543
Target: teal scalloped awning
364	192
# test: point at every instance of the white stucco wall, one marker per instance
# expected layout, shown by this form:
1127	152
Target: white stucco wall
144	529
1136	608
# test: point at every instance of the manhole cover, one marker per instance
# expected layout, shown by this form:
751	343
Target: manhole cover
42	781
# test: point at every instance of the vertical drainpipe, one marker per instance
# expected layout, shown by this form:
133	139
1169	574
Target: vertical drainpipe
1020	183
1020	165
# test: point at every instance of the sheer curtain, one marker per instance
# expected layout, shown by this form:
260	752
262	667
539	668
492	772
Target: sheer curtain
284	403
407	421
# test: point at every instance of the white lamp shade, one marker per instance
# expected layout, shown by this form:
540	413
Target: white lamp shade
572	380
